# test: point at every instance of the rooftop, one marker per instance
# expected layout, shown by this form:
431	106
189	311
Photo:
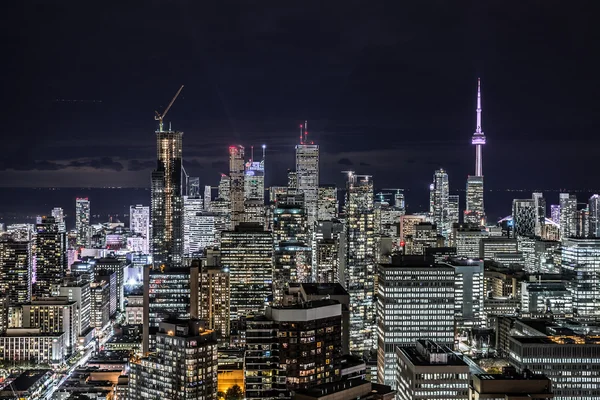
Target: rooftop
333	289
27	379
558	340
308	304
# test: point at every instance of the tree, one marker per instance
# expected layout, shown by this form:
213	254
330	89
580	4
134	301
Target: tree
234	393
220	395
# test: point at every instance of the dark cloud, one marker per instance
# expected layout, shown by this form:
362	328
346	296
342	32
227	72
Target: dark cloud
192	164
345	161
136	165
220	165
106	163
364	164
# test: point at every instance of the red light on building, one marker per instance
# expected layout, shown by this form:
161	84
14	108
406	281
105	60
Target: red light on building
402	243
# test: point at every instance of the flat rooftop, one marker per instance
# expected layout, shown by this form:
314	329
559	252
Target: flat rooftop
27	379
333	289
418	359
558	340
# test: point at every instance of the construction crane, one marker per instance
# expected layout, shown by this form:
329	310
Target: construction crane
159	117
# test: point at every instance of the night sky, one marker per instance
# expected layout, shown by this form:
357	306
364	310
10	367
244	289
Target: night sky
388	89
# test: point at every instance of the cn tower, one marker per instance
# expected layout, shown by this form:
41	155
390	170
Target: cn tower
478	137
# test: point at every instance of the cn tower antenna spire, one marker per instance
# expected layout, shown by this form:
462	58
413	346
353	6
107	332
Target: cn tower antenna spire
478	137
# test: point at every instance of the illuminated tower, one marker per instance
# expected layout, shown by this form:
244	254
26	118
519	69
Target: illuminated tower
139	223
474	211
82	221
441	199
236	179
307	170
359	278
51	257
167	201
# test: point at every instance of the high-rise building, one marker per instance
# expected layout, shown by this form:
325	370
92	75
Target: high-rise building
555	213
54	315
184	365
99	304
193	187
50	256
510	385
247	252
207	197
524	213
327	203
139	223
192	210
307	173
359	279
540	210
440	202
291	264
453	209
468	292
236	182
167	201
581	258
254	180
214	299
59	215
431	370
116	266
415	300
594	215
292	348
467	238
569	362
78	290
474	211
329	252
82	221
407	226
290	220
16	267
568	215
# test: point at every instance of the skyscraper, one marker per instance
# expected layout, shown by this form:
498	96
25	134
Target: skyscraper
167	202
524	217
441	206
192	212
207	197
594	215
236	176
568	215
82	221
51	257
453	209
360	260
307	172
247	252
540	209
16	265
327	203
474	212
254	179
59	215
139	222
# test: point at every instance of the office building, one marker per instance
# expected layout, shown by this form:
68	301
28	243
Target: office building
327	203
440	200
111	278
289	220
27	345
184	365
214	299
415	300
431	370
329	252
293	348
192	209
568	215
407	226
59	216
236	184
54	315
581	259
524	214
510	385
99	304
469	292
51	257
82	221
540	208
467	239
139	223
167	202
247	252
16	268
207	197
546	298
426	236
307	174
78	290
134	310
116	266
594	216
254	180
359	279
569	361
291	264
555	213
453	209
490	247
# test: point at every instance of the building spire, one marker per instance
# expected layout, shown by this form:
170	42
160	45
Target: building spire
478	130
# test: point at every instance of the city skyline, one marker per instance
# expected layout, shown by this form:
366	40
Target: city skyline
369	92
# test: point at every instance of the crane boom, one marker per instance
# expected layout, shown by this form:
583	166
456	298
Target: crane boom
159	117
